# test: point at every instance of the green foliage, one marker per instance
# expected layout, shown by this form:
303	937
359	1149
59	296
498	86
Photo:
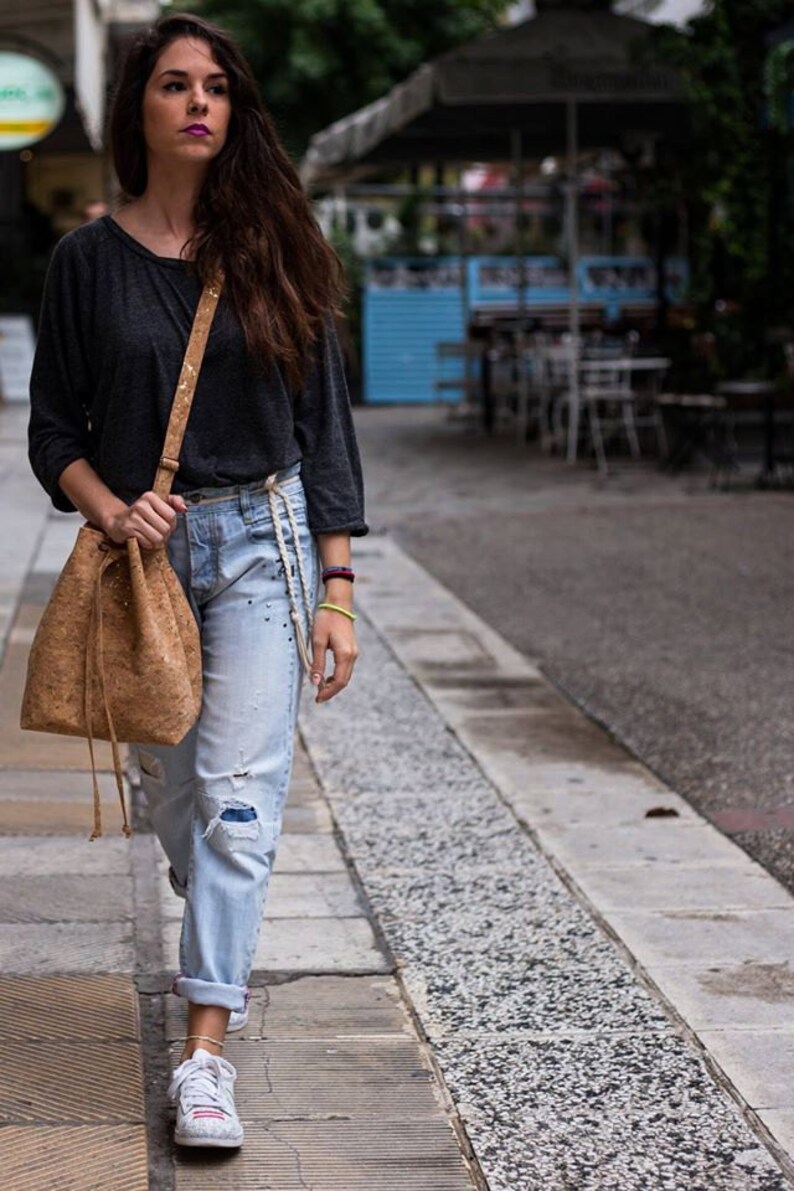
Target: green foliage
736	177
319	60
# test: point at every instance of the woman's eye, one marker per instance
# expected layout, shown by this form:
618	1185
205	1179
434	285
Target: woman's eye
218	88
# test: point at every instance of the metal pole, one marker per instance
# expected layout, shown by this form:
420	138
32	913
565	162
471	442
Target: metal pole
340	208
517	154
465	295
572	221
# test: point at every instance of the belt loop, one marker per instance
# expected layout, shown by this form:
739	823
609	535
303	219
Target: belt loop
244	502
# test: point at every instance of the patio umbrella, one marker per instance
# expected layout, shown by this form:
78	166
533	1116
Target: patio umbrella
576	76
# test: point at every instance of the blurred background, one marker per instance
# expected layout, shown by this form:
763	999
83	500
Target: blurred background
569	326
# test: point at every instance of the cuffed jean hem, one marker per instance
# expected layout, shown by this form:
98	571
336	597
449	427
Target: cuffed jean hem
205	992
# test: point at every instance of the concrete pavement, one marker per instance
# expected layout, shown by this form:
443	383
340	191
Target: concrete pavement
604	976
498	951
660	606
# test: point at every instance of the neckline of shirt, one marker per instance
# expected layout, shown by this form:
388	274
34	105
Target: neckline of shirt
170	262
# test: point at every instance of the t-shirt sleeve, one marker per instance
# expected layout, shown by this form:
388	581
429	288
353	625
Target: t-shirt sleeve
331	465
60	382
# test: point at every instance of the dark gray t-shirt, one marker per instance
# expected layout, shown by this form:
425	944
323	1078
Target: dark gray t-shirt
114	323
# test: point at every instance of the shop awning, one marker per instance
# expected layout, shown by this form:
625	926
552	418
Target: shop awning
466	104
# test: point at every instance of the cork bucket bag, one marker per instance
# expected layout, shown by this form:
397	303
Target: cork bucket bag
117	653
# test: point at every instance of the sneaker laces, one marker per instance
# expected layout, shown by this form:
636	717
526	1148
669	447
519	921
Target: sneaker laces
199	1081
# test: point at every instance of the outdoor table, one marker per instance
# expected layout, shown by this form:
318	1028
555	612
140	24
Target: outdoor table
767	392
650	366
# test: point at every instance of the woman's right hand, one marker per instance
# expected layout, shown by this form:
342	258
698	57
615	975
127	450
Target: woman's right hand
149	519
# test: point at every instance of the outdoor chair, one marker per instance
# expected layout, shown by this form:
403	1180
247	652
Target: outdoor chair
555	363
608	403
512	377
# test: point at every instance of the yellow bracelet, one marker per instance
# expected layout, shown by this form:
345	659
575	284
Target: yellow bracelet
336	608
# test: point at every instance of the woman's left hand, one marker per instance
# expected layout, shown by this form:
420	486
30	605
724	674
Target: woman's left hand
335	632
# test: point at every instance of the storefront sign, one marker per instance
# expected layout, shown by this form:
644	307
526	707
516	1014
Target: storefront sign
31	100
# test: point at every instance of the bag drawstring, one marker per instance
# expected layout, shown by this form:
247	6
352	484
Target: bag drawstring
274	490
95	663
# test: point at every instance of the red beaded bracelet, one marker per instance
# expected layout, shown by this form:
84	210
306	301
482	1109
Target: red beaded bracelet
338	573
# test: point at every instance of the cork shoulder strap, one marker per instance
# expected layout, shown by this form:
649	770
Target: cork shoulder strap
186	387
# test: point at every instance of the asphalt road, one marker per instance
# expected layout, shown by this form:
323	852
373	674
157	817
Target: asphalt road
662	607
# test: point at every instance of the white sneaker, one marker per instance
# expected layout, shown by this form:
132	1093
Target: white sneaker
238	1020
203	1088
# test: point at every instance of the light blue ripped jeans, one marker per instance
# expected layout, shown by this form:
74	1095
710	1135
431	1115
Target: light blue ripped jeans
216	799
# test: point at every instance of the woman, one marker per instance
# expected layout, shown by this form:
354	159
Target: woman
269	453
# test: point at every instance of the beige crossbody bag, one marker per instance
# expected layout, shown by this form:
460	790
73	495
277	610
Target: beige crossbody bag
117	653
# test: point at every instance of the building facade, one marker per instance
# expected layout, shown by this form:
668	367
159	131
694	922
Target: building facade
46	186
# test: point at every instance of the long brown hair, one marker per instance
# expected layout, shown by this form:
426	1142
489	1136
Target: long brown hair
252	218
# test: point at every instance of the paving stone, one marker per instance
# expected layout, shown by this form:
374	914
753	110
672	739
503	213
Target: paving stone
320	944
552	736
293	895
56	545
414	750
66	947
780	1123
310	816
36	750
442	648
494	693
57	817
546	998
305	945
682	937
666	887
622	804
313	895
298	852
602	1112
279	1079
355	1155
504	952
59	1083
722	996
47	785
661	841
585	778
302	767
29	856
315	1006
65	899
38	586
74	1007
74	1158
760	1062
302	792
591	1151
401	830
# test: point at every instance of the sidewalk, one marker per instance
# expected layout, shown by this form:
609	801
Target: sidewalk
336	1087
484	963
